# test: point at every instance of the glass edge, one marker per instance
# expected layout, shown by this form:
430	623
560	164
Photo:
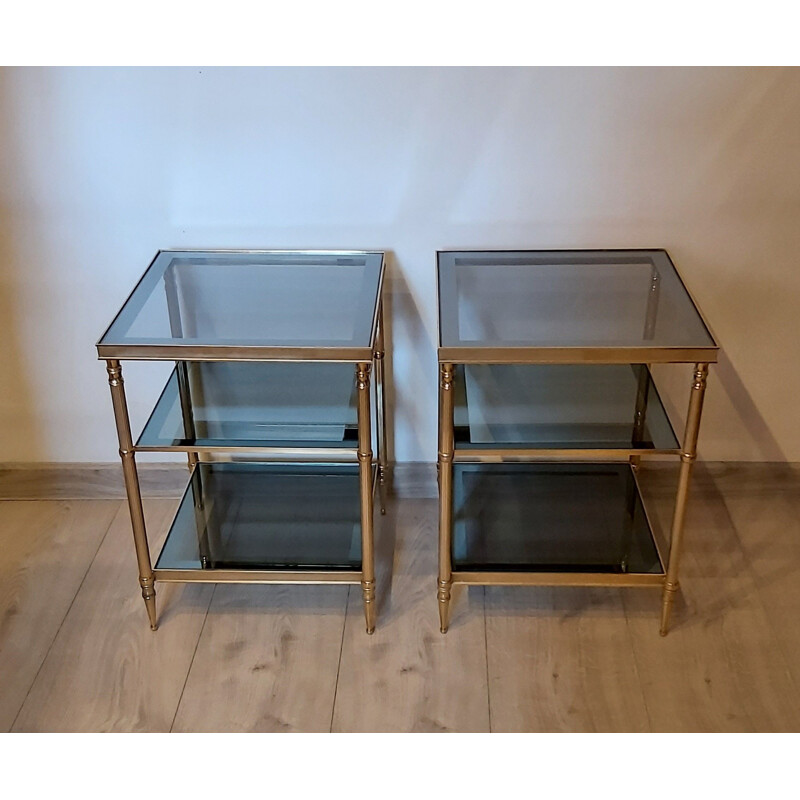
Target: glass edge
102	339
158	409
691	298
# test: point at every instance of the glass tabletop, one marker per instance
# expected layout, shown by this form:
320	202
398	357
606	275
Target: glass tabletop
545	304
256	304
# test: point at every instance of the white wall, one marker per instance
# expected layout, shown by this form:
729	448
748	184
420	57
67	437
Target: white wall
101	167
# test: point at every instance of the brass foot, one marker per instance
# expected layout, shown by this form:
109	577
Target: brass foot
382	488
368	596
443	595
149	595
670	589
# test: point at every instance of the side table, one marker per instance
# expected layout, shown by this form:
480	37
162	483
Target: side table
271	400
546	407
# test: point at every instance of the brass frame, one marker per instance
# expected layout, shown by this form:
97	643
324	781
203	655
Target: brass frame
445	468
577	355
450	357
372	470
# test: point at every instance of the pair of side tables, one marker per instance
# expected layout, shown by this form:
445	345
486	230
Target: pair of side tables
546	406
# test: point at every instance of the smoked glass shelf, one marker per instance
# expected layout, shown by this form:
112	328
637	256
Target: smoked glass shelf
551	518
548	411
265	517
217	405
612	407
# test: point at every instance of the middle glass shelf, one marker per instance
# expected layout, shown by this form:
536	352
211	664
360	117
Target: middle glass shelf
230	406
540	408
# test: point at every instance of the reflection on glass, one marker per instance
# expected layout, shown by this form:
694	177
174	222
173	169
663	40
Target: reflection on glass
566	299
550	518
267	516
212	404
256	299
555	406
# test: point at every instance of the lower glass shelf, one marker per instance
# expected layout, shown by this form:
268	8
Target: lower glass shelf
551	518
254	516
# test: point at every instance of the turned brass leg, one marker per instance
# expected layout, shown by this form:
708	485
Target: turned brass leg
181	367
445	468
443	596
187	411
667	599
688	456
146	578
368	597
642	391
380	414
365	478
382	489
644	373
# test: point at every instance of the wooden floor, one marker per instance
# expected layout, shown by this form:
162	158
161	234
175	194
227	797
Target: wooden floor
76	653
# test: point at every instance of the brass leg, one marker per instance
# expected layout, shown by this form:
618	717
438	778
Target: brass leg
365	476
688	456
187	412
380	413
644	383
627	523
184	389
445	467
146	578
642	391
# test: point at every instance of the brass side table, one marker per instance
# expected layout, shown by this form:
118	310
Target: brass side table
271	400
546	407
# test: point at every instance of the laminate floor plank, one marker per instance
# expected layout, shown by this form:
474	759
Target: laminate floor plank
77	654
47	547
407	676
721	667
765	516
266	661
560	659
106	670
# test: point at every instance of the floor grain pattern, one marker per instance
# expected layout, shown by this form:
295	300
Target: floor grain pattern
267	660
106	670
721	667
47	547
407	676
77	654
560	660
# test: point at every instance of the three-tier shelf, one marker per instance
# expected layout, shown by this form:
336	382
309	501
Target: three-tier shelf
271	398
546	407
